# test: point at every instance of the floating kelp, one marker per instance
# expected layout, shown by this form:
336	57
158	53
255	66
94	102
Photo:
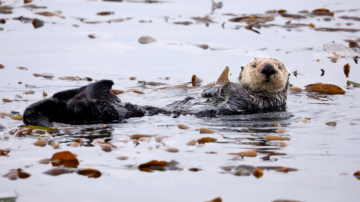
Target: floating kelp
322	12
65	158
104	13
335	29
6	9
158	165
49	14
324	88
37	23
183	23
33	6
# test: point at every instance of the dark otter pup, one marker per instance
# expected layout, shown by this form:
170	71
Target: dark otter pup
90	104
261	87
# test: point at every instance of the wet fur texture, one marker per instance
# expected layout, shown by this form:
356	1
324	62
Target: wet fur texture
253	92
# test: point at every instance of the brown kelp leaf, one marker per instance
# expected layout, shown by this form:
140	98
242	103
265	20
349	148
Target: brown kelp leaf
6	100
353	83
195	169
331	123
324	88
19	118
29	92
37	23
106	147
218	199
353	44
33	6
132	78
203	46
158	165
281	11
135	91
183	127
347	70
245	153
6	9
322	12
23	175
224	77
355	59
45	161
69	78
172	150
123	158
2	21
22	68
191	143
49	14
357	174
294	16
206	140
206	131
183	23
2	66
58	171
258	173
295	89
74	144
40	143
322	72
4	152
88	79
273	137
27	1
304	120
65	158
104	13
138	136
44	75
146	40
280	130
250	27
117	92
282	144
90	173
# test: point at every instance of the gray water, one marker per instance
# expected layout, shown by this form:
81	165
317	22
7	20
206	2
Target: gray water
326	157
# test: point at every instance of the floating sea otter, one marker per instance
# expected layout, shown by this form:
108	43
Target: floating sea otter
261	87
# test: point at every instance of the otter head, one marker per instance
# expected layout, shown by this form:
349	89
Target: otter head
264	75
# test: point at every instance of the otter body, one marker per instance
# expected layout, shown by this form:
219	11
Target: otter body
261	87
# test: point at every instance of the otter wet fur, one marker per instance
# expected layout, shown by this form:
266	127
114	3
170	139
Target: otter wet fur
90	104
261	87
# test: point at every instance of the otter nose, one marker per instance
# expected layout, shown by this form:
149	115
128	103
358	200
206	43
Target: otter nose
268	70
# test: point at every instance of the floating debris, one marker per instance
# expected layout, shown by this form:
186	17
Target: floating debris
65	158
206	131
353	83
117	92
104	13
183	127
183	23
206	140
324	88
146	40
322	72
37	23
347	70
331	123
49	14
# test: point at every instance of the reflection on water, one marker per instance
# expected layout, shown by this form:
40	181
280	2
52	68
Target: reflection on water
307	153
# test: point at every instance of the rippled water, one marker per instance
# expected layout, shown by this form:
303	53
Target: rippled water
326	157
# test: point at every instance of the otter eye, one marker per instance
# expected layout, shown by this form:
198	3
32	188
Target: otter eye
279	66
254	65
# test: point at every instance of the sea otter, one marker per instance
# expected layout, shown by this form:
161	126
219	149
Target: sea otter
261	87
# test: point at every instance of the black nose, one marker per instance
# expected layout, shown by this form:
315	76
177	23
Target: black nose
268	70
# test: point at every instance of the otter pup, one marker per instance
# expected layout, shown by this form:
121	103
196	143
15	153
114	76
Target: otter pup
261	87
90	104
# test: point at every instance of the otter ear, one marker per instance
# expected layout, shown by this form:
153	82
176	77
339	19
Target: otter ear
242	67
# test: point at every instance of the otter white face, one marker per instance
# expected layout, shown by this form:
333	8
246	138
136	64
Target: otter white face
264	74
